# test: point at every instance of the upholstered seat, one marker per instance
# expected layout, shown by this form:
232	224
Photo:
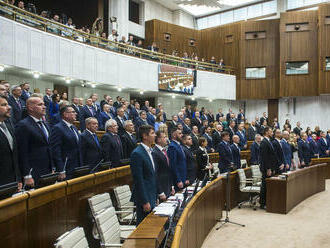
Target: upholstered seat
72	239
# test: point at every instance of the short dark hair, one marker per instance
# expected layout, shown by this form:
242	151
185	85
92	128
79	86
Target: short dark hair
185	136
64	109
3	97
158	135
266	130
201	140
174	129
144	130
224	134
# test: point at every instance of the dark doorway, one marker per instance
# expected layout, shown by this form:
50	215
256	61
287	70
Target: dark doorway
141	99
61	89
134	12
272	110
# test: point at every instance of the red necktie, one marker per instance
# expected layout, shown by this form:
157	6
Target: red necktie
165	153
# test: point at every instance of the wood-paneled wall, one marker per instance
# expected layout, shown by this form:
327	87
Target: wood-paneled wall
298	46
323	47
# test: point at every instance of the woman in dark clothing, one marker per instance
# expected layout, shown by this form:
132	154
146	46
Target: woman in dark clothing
202	158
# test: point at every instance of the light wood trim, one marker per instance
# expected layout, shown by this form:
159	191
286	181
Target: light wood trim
80	183
13	206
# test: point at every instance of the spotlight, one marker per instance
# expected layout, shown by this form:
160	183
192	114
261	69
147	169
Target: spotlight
2	67
210	100
93	85
119	89
193	98
141	92
36	74
173	96
67	80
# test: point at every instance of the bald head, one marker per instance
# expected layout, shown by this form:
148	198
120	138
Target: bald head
36	107
236	139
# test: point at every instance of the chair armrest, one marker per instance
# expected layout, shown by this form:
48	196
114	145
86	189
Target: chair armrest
111	245
127	207
123	212
127	229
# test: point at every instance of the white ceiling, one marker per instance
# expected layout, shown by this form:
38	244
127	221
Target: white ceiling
203	7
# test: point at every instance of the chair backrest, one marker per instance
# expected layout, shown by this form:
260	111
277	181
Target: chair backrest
216	167
256	173
123	195
108	226
242	178
99	202
72	239
243	163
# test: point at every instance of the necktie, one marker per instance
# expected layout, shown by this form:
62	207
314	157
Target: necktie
43	129
96	140
91	110
165	153
75	134
7	134
19	104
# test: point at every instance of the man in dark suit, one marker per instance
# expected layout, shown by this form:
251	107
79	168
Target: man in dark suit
304	151
208	137
231	130
48	100
106	99
95	105
75	106
117	103
324	146
314	146
194	136
111	145
190	158
86	112
135	112
8	148
186	126
268	162
252	131
161	109
144	176
35	158
219	114
287	152
204	126
263	118
240	116
90	145
25	92
242	137
278	150
189	112
255	150
146	106
151	117
297	129
196	121
225	154
228	116
120	119
104	116
17	105
65	144
173	124
177	159
162	164
216	136
236	151
128	139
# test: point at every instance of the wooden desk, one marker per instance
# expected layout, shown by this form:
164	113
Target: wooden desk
150	232
321	161
285	194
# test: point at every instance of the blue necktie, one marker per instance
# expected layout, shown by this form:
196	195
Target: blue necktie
43	129
96	140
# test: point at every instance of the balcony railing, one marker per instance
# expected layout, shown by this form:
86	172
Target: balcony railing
36	21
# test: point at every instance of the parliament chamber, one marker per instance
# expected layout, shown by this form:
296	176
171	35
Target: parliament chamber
163	121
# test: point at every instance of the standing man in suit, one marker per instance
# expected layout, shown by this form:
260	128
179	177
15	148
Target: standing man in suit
225	154
323	145
141	121
194	137
228	116
111	145
186	126
242	137
128	139
219	114
117	103
255	150
146	106
151	117
25	92
16	104
104	116
90	145
86	112
268	163
297	129
196	121
279	150
236	151
75	106
173	124
65	144
34	149
216	136
252	131
161	109
231	130
189	112
287	152
95	105
163	170
47	100
314	146
135	112
143	171
190	159
263	118
240	116
177	159
8	148
120	119
208	136
304	151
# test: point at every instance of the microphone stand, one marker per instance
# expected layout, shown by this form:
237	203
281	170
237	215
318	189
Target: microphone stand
98	164
226	220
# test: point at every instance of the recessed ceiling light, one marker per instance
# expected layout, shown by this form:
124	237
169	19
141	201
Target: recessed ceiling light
119	89
173	96
141	92
2	67
36	74
67	80
93	85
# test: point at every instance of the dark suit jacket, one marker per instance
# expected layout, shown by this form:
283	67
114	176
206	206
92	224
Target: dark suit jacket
189	114
34	148
323	147
297	130
9	159
151	119
304	152
314	147
186	129
242	139
239	118
287	152
268	157
144	178
134	114
177	162
196	122
195	144
209	142
77	109
251	133
191	164
262	120
16	114
25	96
228	117
231	133
236	156
103	118
171	125
121	128
201	159
279	152
112	149
218	116
255	153
64	145
163	172
216	139
91	151
84	114
225	156
129	144
46	101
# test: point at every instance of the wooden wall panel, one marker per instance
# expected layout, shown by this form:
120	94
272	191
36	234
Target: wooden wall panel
260	52
299	46
323	48
180	37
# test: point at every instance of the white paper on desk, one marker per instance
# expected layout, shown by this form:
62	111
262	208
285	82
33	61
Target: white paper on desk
164	211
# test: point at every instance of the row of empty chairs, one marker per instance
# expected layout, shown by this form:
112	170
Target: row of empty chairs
108	224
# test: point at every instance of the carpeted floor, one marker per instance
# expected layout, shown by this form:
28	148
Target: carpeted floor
305	226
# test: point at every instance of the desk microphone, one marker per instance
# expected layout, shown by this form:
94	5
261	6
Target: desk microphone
98	164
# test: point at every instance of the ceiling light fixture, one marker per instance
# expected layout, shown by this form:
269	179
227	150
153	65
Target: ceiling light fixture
67	80
173	96
2	67
36	74
119	89
141	92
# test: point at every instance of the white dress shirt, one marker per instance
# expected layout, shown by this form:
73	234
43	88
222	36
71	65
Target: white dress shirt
149	150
